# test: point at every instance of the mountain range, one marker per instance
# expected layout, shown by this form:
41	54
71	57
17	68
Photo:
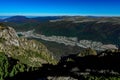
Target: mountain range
101	29
24	58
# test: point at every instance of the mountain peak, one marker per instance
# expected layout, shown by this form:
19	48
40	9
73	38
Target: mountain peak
29	52
16	19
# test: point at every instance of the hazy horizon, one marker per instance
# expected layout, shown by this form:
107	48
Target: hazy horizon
57	15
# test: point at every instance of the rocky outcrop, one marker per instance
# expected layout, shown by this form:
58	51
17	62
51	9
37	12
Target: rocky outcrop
87	52
8	36
29	52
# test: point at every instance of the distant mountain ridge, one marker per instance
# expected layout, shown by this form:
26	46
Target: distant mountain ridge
27	18
15	19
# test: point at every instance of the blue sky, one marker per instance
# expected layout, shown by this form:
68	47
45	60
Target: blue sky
60	7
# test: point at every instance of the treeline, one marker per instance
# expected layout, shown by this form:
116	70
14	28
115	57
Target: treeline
10	67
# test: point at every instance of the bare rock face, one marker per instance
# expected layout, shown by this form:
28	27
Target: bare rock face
9	36
28	52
